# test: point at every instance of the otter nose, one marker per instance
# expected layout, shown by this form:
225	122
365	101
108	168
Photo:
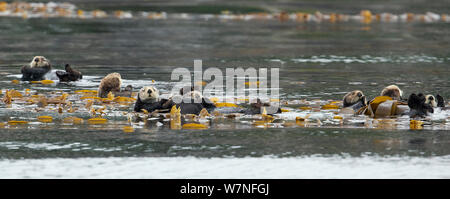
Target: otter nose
36	60
359	95
149	91
431	98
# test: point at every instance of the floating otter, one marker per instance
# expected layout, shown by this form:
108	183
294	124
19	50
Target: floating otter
354	100
36	70
148	99
418	106
392	91
112	83
258	108
192	101
69	75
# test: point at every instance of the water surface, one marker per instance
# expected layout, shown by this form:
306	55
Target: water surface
316	61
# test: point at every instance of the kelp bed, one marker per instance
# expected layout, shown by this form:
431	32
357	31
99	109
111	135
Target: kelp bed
40	108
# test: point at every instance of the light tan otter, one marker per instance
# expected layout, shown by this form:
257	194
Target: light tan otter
110	83
392	91
39	61
354	99
431	100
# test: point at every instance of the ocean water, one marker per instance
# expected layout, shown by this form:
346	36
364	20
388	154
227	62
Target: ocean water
317	62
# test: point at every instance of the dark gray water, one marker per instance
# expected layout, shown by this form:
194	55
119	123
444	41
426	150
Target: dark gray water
316	61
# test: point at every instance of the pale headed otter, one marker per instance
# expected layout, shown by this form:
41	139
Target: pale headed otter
148	99
354	99
431	100
392	91
192	101
69	75
36	70
112	83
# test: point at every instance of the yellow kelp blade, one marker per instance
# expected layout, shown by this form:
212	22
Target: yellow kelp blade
415	124
194	126
225	104
120	99
86	91
375	102
43	82
73	120
45	119
128	129
16	122
330	106
97	120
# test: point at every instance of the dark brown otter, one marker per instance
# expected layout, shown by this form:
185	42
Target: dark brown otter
69	75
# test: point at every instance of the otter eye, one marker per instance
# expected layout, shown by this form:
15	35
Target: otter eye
431	98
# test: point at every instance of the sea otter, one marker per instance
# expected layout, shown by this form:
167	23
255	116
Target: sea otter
191	101
69	75
36	70
354	100
148	99
418	106
112	83
388	104
392	91
258	108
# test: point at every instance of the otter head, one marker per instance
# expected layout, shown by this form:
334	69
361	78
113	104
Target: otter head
148	94
392	91
39	61
354	97
431	100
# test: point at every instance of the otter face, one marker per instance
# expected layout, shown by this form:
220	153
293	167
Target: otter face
148	94
353	97
392	91
431	100
39	61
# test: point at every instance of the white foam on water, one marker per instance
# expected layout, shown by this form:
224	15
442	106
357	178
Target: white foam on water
264	167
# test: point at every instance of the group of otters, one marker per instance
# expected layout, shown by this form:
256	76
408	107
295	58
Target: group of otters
389	103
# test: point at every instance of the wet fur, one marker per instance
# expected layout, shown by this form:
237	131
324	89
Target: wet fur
69	75
36	70
392	91
418	107
258	107
355	100
163	104
189	94
110	83
431	100
440	101
148	99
